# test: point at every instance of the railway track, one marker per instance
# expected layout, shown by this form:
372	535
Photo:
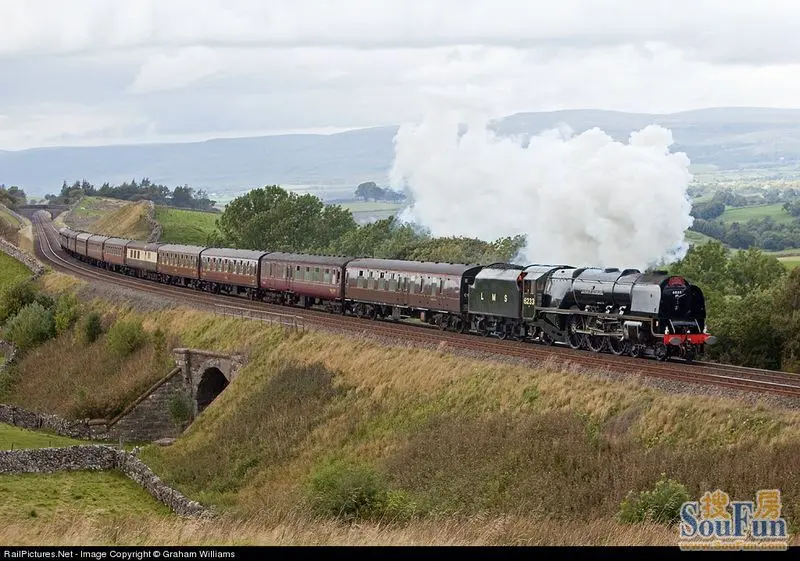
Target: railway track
705	373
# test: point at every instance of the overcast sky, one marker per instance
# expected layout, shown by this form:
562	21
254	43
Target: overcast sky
103	71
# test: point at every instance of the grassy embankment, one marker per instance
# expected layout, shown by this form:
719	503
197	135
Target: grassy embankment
110	217
467	451
125	219
11	270
19	233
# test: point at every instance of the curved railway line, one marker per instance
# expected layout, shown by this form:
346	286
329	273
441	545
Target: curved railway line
705	373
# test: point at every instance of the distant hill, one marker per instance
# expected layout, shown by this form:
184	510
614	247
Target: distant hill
729	138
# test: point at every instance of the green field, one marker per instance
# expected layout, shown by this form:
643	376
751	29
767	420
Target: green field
371	206
185	226
696	238
790	262
11	270
14	437
80	494
743	214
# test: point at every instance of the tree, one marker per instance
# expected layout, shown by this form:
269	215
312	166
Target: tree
367	190
705	265
276	220
753	270
12	196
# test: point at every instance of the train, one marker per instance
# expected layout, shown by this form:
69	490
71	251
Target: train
623	312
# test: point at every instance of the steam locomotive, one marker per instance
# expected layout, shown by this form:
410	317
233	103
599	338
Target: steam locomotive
622	312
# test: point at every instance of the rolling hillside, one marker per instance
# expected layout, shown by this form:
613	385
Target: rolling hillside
724	138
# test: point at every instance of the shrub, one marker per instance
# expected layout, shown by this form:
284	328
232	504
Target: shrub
352	491
45	300
126	337
180	409
92	327
66	313
15	297
31	326
662	504
347	491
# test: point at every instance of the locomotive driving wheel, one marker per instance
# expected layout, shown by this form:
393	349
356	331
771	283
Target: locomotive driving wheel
574	338
595	343
617	345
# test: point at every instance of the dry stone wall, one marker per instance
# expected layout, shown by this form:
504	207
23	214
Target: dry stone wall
98	457
155	226
9	353
85	429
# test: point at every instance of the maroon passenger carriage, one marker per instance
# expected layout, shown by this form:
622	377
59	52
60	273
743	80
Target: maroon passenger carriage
80	245
234	271
179	264
94	248
435	292
114	253
297	278
66	238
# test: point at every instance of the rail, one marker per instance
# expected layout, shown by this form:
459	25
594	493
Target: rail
296	323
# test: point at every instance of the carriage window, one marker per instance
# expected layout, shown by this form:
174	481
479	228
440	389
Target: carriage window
326	276
338	276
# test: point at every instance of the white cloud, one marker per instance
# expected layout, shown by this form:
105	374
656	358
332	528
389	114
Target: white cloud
164	72
208	67
715	29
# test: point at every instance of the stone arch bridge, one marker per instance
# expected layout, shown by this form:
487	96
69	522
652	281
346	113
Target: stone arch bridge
205	374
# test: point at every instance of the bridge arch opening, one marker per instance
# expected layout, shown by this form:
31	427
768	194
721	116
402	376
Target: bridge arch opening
212	382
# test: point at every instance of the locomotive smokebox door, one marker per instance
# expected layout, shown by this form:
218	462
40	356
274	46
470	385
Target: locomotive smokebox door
496	291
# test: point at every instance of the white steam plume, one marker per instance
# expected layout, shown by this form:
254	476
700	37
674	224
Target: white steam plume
582	200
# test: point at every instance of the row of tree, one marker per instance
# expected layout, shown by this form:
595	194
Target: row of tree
764	233
181	197
273	218
753	305
12	196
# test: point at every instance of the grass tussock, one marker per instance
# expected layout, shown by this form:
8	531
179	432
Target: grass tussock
54	282
297	530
